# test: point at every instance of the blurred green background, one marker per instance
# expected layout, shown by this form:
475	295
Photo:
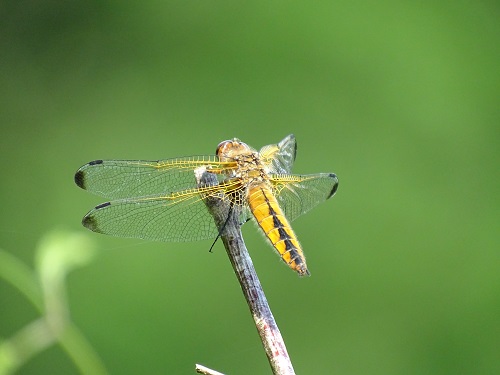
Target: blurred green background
400	100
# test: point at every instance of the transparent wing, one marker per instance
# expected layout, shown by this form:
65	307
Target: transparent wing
298	194
180	216
116	179
279	158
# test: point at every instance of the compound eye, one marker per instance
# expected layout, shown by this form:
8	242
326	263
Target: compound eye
220	148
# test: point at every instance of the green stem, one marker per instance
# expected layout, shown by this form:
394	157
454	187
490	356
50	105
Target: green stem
38	335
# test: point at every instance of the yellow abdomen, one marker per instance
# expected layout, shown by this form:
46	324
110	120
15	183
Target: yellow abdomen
276	227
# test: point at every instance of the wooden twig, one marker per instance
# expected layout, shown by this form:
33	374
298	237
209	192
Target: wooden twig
227	219
200	369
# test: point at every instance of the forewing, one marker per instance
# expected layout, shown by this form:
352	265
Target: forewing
279	158
297	194
116	179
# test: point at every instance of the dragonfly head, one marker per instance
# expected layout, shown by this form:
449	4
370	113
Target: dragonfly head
231	149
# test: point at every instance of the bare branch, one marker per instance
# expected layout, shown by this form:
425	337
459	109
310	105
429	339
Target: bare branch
226	217
206	371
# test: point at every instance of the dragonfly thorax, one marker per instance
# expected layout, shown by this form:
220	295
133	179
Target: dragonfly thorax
247	164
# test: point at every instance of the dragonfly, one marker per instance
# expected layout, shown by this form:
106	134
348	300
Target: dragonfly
163	200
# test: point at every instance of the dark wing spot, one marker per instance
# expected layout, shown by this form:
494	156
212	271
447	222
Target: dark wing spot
80	174
295	151
80	179
102	205
334	188
89	222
